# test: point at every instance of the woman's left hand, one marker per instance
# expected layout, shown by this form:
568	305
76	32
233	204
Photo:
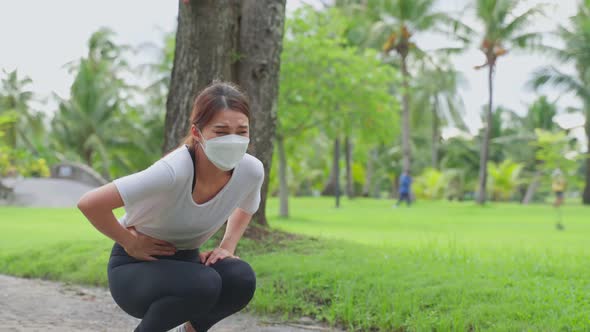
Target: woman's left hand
212	256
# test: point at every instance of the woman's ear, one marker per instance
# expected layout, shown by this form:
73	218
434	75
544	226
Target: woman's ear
195	133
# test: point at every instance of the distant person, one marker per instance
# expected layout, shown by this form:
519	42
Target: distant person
405	184
558	186
156	270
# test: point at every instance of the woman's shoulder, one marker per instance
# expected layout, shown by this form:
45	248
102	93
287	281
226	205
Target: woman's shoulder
252	166
179	160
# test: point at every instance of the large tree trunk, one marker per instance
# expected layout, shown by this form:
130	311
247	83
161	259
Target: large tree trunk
485	143
283	185
532	188
229	40
204	45
348	156
586	195
261	43
435	134
407	153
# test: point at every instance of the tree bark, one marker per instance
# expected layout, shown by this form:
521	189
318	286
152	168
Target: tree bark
407	152
204	45
261	43
485	143
283	184
348	156
229	40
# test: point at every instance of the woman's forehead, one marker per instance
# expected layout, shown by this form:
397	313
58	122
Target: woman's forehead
229	118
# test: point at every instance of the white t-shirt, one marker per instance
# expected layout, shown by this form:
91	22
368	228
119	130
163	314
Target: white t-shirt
158	200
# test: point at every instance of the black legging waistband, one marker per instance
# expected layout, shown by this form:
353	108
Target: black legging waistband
187	254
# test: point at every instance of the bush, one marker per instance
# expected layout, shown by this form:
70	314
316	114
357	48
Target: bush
21	162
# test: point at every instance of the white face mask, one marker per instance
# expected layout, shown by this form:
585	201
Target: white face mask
226	151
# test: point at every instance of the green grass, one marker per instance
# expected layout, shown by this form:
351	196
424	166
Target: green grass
434	267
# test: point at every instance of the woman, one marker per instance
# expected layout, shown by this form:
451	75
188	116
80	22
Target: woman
155	270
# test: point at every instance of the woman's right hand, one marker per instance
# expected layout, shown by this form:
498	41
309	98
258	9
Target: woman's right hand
143	246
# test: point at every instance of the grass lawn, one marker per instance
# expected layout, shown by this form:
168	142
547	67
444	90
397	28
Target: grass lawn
434	267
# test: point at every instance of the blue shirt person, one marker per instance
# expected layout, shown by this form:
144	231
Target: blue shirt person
405	188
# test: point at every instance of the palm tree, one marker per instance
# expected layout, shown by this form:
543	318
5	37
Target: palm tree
15	97
503	30
437	91
390	27
576	50
504	179
89	121
539	116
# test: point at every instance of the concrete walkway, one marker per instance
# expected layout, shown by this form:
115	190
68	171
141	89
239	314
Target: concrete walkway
49	306
45	192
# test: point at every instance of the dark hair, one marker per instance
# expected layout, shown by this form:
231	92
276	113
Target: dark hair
216	97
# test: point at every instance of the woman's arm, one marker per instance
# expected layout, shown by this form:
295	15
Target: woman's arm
236	226
98	205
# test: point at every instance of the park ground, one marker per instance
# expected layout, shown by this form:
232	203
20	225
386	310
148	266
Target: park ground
443	266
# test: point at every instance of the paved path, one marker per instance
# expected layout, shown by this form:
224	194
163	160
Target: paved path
45	192
49	306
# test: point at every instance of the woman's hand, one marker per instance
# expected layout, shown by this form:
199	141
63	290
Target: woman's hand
144	246
212	256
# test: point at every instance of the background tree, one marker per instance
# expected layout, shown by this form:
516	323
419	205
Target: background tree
91	120
540	115
241	43
576	51
503	30
437	99
27	129
389	27
333	88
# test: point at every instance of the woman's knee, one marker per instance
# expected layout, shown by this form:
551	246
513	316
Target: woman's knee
236	273
206	286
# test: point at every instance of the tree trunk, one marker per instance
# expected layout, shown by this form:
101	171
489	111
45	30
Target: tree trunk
283	185
369	173
407	153
586	194
394	193
532	188
261	43
204	43
333	185
337	171
348	156
435	134
485	143
88	156
229	40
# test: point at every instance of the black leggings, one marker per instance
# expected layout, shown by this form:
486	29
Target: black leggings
178	288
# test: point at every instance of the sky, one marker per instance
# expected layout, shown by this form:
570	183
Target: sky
39	37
